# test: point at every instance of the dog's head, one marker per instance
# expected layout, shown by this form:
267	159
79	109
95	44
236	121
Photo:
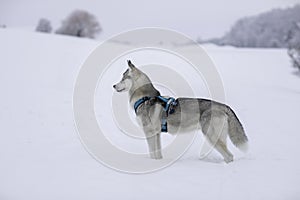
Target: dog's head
127	79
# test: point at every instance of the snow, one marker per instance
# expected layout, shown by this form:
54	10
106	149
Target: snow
42	157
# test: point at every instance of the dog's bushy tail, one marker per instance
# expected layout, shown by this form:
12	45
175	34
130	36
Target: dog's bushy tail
236	131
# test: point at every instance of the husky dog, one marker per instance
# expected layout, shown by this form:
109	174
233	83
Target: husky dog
216	120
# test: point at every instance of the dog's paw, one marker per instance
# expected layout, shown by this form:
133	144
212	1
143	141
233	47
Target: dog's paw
155	156
228	159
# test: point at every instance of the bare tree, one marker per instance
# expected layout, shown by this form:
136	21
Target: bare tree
80	23
44	25
293	39
295	57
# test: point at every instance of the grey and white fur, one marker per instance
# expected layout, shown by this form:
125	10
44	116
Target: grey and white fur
216	120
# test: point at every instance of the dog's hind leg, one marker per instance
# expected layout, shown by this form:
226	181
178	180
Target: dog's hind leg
222	145
214	127
222	149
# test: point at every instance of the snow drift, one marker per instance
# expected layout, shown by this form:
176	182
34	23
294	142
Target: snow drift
42	157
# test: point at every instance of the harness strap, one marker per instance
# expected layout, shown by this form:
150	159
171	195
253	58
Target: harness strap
168	102
139	102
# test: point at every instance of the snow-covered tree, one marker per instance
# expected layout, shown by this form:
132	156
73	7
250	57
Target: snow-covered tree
44	25
276	28
80	23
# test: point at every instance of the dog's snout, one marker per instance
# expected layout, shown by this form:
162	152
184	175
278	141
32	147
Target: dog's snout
114	86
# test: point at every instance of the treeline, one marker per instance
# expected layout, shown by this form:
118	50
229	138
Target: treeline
278	28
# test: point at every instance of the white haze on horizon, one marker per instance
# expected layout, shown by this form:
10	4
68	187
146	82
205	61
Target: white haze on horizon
205	19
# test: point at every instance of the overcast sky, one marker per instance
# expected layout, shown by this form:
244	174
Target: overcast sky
195	18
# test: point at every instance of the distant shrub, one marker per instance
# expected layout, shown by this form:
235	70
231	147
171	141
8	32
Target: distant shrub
44	25
80	24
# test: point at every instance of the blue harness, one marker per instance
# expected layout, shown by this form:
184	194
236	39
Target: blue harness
168	106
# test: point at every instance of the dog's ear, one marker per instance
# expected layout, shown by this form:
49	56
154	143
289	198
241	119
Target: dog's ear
130	65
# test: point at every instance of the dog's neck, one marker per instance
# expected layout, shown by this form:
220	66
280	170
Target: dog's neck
140	88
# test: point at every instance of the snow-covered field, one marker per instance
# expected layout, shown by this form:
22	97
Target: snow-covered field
42	157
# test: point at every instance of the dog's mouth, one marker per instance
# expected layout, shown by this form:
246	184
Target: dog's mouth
120	90
117	89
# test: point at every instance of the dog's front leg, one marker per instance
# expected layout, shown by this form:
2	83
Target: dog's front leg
154	145
152	130
158	146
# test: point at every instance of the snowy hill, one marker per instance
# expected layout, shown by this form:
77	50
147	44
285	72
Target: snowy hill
42	157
